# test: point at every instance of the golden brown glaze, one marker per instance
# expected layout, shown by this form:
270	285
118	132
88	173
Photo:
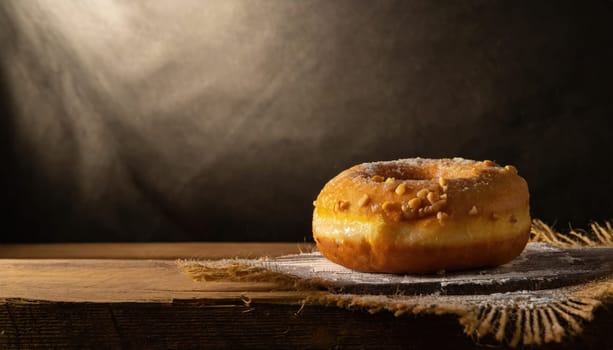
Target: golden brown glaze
422	215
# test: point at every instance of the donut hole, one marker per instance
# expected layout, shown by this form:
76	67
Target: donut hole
421	169
404	172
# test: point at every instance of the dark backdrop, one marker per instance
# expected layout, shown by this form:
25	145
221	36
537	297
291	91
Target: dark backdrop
221	120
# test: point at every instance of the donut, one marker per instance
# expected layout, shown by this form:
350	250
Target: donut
422	215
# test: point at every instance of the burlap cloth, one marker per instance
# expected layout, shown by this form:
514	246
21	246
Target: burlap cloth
529	316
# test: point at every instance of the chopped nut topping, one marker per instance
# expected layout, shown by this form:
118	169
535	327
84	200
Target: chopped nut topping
342	205
407	211
439	205
389	183
443	196
389	206
473	211
511	169
423	193
442	181
415	203
405	206
442	216
432	197
429	209
495	216
363	200
401	189
434	188
378	178
488	162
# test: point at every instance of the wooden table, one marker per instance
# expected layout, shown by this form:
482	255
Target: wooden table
135	296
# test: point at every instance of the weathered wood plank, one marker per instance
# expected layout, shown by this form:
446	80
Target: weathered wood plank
231	324
67	280
227	324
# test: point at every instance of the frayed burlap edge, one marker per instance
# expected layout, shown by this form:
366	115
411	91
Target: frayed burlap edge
517	318
514	318
599	235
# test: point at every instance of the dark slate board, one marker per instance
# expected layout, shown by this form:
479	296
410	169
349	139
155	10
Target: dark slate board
540	266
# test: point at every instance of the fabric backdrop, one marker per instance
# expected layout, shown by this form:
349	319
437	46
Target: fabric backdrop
221	120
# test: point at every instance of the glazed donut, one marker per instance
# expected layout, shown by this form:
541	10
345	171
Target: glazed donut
422	215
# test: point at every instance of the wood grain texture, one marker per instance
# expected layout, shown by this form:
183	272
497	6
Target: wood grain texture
231	324
224	324
67	280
